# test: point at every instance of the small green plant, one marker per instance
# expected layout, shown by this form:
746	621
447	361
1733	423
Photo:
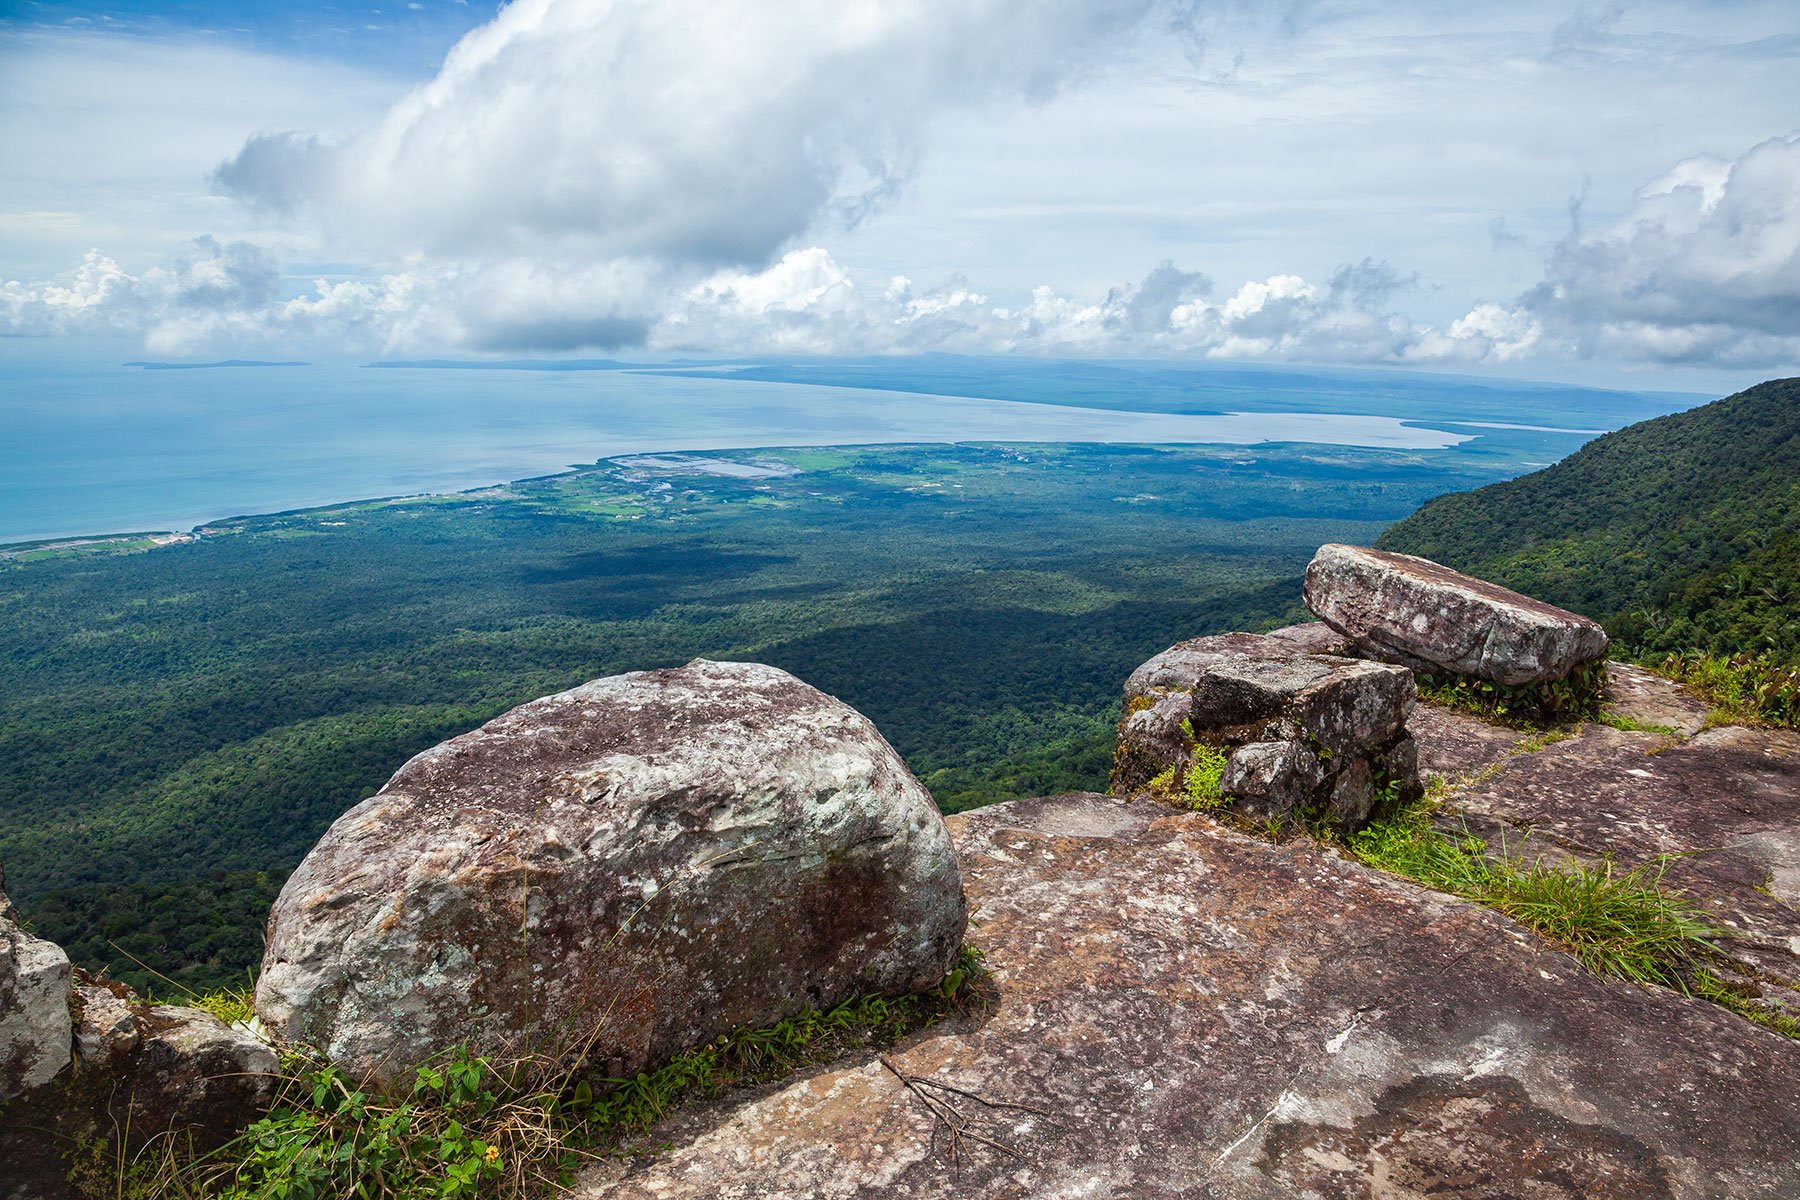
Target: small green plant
1533	742
1625	724
1743	1000
464	1125
470	1127
1747	689
1202	791
1526	705
230	1005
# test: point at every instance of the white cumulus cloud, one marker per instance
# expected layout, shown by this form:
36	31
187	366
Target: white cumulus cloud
683	131
1704	267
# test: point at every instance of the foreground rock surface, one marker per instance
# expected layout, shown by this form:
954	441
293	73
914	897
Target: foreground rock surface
1187	1012
1723	806
650	860
1415	612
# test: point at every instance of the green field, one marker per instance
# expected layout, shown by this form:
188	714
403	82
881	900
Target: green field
177	714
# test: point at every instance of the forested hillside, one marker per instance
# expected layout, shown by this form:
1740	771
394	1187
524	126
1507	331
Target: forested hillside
178	714
1680	533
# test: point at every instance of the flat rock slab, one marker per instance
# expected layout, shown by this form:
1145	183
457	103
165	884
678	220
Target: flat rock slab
1648	697
1198	1014
1426	616
1726	800
1456	745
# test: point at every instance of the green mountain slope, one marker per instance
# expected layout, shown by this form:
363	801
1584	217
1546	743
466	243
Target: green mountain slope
1681	533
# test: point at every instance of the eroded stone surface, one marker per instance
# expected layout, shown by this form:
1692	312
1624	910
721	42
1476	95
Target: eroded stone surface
1428	617
1454	744
1648	697
1202	1015
703	848
35	976
1313	637
1270	778
1302	729
1726	802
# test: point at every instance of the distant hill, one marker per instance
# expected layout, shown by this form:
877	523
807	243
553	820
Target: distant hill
1678	533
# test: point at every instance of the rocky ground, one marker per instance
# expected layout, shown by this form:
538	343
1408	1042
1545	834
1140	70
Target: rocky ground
1184	1010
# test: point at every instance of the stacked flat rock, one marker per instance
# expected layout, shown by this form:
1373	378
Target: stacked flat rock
1425	616
1302	729
619	872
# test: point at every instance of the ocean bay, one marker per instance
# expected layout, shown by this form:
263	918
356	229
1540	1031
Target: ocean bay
93	449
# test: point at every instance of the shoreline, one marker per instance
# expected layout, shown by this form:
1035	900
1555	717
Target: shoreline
78	542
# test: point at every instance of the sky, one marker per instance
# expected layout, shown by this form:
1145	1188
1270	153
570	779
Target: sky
1604	192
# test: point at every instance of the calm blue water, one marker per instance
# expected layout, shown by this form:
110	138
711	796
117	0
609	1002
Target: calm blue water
90	446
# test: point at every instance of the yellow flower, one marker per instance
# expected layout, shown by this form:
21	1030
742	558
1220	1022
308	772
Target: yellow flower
493	1154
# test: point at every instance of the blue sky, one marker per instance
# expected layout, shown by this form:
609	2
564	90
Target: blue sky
1604	191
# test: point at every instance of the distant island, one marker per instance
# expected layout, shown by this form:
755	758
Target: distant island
229	362
513	364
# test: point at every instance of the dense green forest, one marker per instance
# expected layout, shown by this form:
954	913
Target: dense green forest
1680	533
179	725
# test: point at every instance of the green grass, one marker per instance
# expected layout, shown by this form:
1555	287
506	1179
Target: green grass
1627	724
1744	689
1617	923
468	1126
1742	999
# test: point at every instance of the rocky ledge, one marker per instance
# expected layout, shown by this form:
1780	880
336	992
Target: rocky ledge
1186	1011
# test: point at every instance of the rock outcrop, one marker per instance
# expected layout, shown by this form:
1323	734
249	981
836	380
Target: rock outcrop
1302	729
625	870
34	1007
95	1074
1715	815
1425	616
1188	1012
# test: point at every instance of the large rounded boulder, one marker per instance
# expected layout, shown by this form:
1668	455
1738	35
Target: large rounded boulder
621	871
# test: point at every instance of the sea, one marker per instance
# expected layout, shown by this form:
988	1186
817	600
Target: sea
93	444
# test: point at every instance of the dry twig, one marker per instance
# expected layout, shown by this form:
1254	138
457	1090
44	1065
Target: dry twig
949	1118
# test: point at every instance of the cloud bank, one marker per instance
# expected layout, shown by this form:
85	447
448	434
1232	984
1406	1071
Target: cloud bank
673	132
1704	267
634	174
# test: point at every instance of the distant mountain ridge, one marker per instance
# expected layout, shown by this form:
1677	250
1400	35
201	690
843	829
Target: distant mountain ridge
1677	533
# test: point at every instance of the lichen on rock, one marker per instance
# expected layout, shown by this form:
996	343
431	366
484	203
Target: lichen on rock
1421	614
34	1006
621	871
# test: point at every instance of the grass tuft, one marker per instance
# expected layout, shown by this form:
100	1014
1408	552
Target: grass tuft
1621	924
1744	689
1625	724
470	1127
